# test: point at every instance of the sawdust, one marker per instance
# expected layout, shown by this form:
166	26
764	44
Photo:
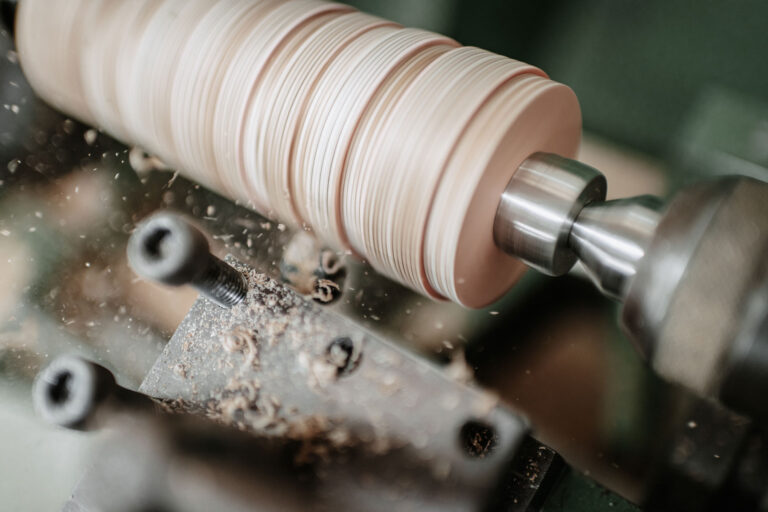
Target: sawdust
330	264
242	339
326	291
180	369
320	372
310	270
243	407
142	162
458	370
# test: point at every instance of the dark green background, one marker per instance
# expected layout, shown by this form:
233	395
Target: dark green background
654	75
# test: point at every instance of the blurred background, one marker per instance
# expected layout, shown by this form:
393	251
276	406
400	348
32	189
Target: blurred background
671	92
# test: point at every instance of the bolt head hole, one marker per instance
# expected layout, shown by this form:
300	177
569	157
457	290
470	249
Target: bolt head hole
154	243
478	439
60	388
344	354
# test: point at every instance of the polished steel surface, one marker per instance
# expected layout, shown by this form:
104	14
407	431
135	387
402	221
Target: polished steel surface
689	302
611	239
663	267
539	207
682	272
746	375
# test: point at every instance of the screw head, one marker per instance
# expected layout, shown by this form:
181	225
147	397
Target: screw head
168	249
65	392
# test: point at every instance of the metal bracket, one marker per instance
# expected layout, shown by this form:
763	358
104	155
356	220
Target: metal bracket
278	364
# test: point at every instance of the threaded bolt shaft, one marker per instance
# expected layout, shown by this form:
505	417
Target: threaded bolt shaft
221	283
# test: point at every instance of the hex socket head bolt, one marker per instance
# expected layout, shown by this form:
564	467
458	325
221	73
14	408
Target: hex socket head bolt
168	249
71	391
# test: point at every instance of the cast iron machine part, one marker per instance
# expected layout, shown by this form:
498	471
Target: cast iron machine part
146	464
277	362
692	275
